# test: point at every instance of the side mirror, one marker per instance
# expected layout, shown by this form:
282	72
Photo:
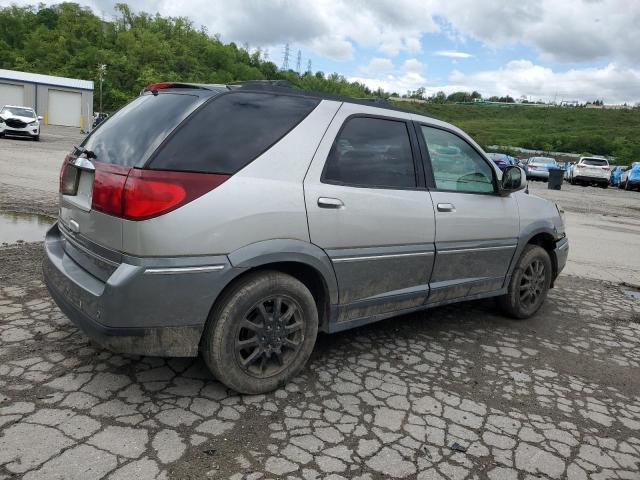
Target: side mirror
40	117
513	179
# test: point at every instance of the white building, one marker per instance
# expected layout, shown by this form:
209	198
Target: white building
60	100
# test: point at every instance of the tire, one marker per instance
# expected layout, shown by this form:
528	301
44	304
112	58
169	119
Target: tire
36	138
515	303
604	185
627	186
270	357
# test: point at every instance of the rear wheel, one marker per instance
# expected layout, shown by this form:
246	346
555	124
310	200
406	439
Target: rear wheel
627	186
261	332
529	283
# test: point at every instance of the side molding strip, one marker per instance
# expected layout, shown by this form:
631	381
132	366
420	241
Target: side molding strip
380	257
178	270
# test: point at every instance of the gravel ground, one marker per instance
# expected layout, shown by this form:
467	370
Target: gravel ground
458	392
452	393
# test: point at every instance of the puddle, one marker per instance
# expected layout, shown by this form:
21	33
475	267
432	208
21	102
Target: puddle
27	227
632	294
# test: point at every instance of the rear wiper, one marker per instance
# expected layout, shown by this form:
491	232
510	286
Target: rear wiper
87	153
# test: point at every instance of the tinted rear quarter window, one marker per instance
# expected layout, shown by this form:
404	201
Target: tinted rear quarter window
231	131
131	135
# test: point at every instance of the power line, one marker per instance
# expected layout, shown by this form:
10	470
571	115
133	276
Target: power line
285	60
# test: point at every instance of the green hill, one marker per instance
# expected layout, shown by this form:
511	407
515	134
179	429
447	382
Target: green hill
574	130
138	49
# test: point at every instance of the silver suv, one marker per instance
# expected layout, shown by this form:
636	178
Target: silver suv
237	221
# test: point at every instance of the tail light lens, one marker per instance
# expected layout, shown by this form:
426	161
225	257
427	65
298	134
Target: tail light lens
108	186
137	194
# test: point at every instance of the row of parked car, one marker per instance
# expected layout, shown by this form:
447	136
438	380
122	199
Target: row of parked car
586	171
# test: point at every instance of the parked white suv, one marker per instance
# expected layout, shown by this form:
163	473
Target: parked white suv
589	171
237	221
19	121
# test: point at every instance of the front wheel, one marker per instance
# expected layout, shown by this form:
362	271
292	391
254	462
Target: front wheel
261	332
530	282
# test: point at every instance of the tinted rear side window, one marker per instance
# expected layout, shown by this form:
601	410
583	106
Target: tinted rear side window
231	131
371	152
131	135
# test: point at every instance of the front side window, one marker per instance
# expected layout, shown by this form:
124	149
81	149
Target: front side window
455	164
371	152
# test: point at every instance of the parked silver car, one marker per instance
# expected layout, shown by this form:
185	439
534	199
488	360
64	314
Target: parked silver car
237	221
537	168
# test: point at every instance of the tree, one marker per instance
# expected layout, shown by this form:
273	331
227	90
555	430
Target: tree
138	49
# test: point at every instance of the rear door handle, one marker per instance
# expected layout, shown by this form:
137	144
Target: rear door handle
326	202
446	207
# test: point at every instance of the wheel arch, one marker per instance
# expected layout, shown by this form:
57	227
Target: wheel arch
542	234
302	260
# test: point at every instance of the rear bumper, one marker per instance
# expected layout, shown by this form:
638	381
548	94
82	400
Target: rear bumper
538	174
591	179
146	307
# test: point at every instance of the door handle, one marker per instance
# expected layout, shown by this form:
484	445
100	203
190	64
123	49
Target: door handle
446	207
326	202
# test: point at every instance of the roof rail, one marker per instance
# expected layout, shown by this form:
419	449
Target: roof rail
261	84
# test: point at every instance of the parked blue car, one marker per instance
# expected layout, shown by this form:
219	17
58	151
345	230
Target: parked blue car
502	160
616	174
630	178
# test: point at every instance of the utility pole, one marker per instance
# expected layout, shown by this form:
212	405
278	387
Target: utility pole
285	60
102	70
298	61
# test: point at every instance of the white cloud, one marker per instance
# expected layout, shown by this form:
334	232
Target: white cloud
452	54
569	31
396	82
613	83
378	66
413	65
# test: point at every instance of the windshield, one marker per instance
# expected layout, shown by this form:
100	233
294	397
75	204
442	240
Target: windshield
132	134
17	112
595	162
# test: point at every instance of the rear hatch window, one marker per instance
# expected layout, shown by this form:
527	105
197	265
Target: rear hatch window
595	162
129	137
231	131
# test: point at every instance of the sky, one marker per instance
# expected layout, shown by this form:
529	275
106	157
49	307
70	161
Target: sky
571	50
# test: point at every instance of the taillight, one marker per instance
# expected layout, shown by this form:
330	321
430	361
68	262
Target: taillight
137	194
62	169
108	186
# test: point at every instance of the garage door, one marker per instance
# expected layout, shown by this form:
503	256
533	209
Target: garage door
65	108
11	94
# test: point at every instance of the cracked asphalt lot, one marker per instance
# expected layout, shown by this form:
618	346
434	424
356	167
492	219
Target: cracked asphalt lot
456	392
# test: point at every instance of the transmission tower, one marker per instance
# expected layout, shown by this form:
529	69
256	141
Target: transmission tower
285	60
299	62
265	55
309	66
